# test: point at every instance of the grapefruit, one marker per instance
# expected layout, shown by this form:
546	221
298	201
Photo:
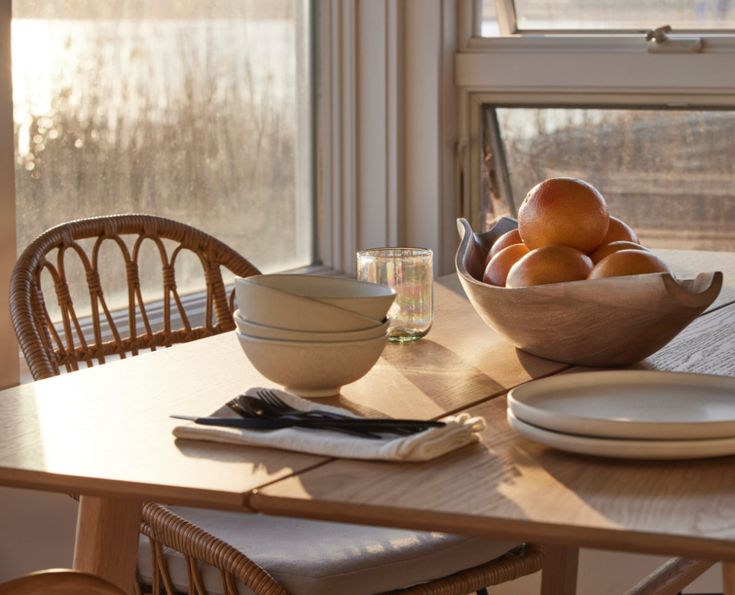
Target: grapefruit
629	262
497	269
507	239
563	211
607	249
550	264
619	231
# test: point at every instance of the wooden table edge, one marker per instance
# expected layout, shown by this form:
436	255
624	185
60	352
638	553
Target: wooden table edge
121	490
622	540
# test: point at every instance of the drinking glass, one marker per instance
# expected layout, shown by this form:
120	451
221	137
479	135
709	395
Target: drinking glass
410	272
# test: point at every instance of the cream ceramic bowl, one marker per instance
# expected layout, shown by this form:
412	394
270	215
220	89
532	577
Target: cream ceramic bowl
316	369
261	331
367	299
273	307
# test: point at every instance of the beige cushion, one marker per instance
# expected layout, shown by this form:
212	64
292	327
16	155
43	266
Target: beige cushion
318	558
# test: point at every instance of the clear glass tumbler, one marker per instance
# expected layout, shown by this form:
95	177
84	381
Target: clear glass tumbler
410	272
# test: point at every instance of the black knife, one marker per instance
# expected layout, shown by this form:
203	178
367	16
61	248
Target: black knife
358	424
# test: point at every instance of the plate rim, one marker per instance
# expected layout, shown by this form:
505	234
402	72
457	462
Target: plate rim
621	429
624	449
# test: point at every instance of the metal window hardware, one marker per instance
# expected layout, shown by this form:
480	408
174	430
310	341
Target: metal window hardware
658	41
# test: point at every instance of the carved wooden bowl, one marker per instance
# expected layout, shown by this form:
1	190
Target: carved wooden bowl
609	322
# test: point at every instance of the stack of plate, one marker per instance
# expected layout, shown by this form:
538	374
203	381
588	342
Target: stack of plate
628	414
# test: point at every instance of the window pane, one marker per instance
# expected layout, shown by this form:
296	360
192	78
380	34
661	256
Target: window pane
489	23
197	111
670	174
636	15
624	14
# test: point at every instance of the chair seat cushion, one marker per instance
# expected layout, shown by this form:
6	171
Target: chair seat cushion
320	558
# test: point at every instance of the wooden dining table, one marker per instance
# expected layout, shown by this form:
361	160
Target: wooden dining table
105	433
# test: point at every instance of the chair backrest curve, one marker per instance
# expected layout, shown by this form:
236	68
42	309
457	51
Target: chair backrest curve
51	346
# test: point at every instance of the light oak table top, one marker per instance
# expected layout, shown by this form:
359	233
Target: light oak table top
105	433
123	408
510	487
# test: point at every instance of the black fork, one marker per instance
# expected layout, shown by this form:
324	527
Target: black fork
398	426
269	397
243	409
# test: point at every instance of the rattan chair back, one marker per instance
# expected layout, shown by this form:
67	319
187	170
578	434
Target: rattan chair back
52	346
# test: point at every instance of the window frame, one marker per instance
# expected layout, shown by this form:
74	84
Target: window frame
9	361
566	69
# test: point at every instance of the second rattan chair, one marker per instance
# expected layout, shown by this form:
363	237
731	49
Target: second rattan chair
204	551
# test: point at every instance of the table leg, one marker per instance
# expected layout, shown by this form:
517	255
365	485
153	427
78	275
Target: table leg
728	578
671	577
107	539
559	570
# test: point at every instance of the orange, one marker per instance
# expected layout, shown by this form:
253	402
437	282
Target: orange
606	249
619	231
550	264
563	211
497	269
507	239
629	262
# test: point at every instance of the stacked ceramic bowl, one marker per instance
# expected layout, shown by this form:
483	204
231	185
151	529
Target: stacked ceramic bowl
311	334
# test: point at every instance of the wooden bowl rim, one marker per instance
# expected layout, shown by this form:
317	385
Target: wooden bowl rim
708	282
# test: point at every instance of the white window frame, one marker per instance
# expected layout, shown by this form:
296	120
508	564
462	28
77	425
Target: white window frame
9	362
571	69
386	128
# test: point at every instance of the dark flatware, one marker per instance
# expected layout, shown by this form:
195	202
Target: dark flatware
257	410
267	398
267	411
238	422
255	423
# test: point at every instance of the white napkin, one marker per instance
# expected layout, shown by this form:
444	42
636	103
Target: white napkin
460	430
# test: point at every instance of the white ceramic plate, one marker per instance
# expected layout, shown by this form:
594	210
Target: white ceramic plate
635	404
622	448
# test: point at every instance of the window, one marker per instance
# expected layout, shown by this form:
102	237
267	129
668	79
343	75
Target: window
589	89
668	173
609	15
197	111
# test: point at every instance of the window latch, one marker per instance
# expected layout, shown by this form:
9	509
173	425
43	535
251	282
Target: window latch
659	41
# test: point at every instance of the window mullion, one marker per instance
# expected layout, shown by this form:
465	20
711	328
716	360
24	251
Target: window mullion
506	15
9	364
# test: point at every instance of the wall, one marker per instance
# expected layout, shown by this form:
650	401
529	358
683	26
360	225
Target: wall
36	531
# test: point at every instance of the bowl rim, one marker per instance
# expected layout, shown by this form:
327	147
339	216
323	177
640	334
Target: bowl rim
383	291
325	307
503	224
252	339
267	327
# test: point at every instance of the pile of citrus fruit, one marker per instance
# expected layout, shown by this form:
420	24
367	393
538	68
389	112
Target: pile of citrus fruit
565	233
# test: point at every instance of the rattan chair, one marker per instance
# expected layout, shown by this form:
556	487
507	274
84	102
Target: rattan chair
179	551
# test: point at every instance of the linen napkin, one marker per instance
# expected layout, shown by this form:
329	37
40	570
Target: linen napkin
460	430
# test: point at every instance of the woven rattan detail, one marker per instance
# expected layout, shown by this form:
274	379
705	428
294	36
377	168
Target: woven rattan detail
162	526
50	348
523	560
